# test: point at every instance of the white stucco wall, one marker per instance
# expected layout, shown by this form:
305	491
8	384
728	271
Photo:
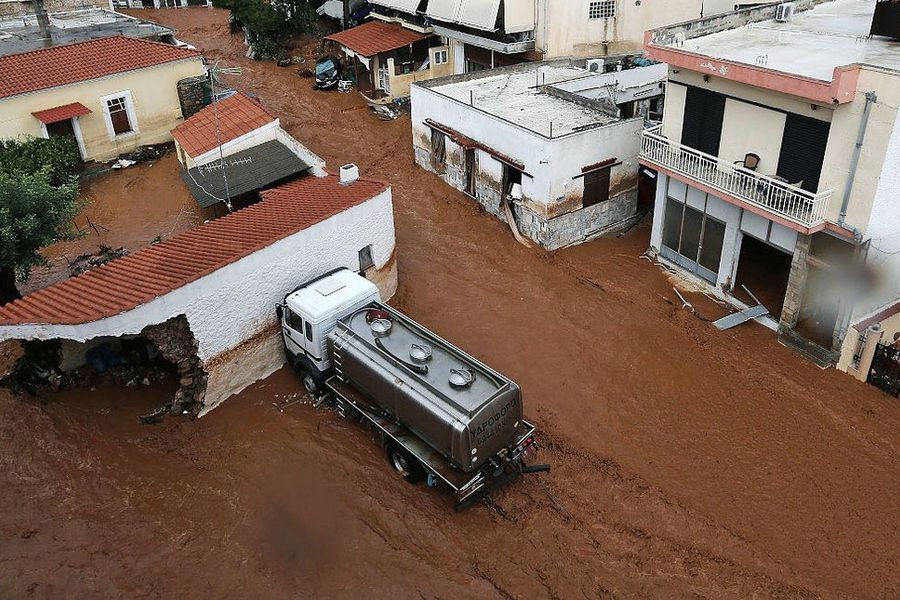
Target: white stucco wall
883	230
236	303
552	163
564	28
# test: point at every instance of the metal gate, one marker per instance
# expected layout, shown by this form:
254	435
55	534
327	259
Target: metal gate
885	371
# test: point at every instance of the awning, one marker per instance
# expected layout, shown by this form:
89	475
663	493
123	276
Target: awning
408	6
518	16
480	14
61	113
246	171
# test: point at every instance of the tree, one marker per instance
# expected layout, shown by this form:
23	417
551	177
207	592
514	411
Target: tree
270	23
36	209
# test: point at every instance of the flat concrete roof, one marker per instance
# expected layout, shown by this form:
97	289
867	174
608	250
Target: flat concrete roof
21	33
812	44
516	96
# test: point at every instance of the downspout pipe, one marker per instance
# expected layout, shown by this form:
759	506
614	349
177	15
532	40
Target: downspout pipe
871	98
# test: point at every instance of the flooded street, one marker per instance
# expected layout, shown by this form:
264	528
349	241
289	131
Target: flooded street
686	461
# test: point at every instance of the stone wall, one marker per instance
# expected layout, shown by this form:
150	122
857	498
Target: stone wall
793	299
192	93
177	344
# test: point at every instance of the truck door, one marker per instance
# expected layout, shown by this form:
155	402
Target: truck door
292	325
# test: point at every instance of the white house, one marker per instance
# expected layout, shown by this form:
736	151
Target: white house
556	145
217	284
235	147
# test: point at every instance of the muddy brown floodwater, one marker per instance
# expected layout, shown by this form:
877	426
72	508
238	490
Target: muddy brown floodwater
686	461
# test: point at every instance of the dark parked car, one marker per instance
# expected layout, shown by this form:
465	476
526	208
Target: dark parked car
328	72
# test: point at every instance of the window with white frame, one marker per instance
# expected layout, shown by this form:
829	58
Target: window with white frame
604	9
440	57
120	117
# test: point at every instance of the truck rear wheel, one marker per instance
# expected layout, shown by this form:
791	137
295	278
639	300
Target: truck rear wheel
405	463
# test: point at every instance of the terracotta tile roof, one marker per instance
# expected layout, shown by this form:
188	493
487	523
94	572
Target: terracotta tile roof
126	283
238	115
61	113
82	61
376	37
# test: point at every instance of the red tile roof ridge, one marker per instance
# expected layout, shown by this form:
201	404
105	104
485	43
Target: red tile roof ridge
32	71
128	282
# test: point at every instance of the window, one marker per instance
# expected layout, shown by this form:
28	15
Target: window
308	331
118	115
293	320
596	187
365	259
604	9
440	57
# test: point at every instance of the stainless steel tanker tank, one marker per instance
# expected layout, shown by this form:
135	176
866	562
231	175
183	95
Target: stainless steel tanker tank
462	408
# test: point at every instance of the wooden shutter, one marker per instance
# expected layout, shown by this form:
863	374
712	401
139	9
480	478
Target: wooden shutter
803	151
704	112
596	187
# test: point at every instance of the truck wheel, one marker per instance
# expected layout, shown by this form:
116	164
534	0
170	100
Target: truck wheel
311	385
406	464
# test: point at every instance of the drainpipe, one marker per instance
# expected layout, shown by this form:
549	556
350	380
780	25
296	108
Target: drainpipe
871	98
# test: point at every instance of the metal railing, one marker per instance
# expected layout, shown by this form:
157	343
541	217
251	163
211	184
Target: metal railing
776	196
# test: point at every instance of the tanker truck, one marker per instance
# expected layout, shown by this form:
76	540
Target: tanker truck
443	416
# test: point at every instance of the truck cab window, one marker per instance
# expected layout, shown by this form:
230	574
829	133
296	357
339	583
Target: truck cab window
308	331
293	320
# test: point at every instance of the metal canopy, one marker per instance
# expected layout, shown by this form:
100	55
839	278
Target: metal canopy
479	14
246	171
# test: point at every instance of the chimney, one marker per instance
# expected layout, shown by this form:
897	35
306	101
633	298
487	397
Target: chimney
349	174
43	21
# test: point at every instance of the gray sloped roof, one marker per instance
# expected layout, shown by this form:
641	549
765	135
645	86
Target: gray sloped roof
246	171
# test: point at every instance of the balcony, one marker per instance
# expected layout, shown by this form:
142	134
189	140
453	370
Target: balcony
782	199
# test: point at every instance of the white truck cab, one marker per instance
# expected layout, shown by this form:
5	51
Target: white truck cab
311	312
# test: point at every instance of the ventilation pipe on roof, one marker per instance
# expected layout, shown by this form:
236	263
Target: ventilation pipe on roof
43	21
349	174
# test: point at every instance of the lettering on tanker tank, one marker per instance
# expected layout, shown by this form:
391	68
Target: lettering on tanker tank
488	429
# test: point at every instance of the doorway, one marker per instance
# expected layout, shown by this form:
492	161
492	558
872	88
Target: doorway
693	239
469	172
66	128
61	129
765	270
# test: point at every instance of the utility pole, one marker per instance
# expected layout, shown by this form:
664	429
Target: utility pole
346	23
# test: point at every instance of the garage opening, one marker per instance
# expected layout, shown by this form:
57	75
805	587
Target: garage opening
764	270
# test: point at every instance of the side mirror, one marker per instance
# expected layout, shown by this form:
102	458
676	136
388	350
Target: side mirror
279	311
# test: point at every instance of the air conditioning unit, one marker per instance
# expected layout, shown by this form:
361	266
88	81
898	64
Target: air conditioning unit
784	12
596	65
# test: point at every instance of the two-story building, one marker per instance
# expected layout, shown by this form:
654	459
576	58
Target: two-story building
111	94
498	33
778	159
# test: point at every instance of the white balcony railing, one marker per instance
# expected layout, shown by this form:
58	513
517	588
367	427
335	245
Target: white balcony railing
776	196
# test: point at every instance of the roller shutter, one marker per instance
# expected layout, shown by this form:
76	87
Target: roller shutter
803	151
704	111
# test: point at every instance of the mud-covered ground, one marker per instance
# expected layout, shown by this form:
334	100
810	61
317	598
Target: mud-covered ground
686	461
127	208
